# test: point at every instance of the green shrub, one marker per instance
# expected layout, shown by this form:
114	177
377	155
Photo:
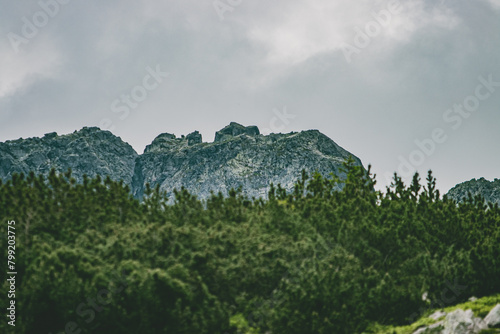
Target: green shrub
316	260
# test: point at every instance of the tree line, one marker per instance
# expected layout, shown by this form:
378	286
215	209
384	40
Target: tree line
92	259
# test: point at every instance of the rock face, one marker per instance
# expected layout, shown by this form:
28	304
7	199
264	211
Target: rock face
89	151
235	129
493	318
490	190
463	322
239	156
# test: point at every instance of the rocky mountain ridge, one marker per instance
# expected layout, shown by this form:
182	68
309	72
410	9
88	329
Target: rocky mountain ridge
239	157
490	190
89	151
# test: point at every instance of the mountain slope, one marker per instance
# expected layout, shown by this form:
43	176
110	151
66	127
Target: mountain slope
89	151
490	190
239	156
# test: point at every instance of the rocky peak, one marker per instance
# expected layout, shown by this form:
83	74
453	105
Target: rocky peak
164	141
168	141
90	129
490	190
194	138
90	151
239	156
234	129
50	135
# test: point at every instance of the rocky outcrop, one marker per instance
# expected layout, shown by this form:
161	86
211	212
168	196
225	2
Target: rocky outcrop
436	328
463	322
193	138
239	157
493	318
89	151
490	190
235	129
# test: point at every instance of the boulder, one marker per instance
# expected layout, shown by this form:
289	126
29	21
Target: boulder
438	314
462	322
234	129
162	142
194	138
431	329
493	318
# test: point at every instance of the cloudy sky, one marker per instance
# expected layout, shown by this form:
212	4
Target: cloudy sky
405	85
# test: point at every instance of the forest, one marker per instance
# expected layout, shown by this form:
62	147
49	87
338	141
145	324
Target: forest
90	258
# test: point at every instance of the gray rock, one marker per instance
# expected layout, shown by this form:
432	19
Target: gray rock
89	151
431	329
490	190
239	156
438	314
235	129
463	322
194	138
493	318
163	141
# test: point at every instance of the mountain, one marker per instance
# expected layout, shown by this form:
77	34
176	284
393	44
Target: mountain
490	190
239	156
89	151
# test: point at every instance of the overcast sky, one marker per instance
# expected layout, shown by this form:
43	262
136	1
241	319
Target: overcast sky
375	76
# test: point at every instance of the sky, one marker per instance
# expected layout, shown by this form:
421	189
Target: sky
406	86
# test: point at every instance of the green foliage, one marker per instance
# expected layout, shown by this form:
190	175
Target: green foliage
240	324
376	328
316	260
481	307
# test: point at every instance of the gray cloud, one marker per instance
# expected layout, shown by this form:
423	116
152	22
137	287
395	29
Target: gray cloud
263	56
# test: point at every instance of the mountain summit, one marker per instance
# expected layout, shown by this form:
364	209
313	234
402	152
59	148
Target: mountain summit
490	190
239	156
90	151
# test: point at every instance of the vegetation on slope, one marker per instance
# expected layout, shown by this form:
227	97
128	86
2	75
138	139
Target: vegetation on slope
481	307
490	190
90	257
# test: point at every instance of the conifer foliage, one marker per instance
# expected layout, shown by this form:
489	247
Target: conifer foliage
316	260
